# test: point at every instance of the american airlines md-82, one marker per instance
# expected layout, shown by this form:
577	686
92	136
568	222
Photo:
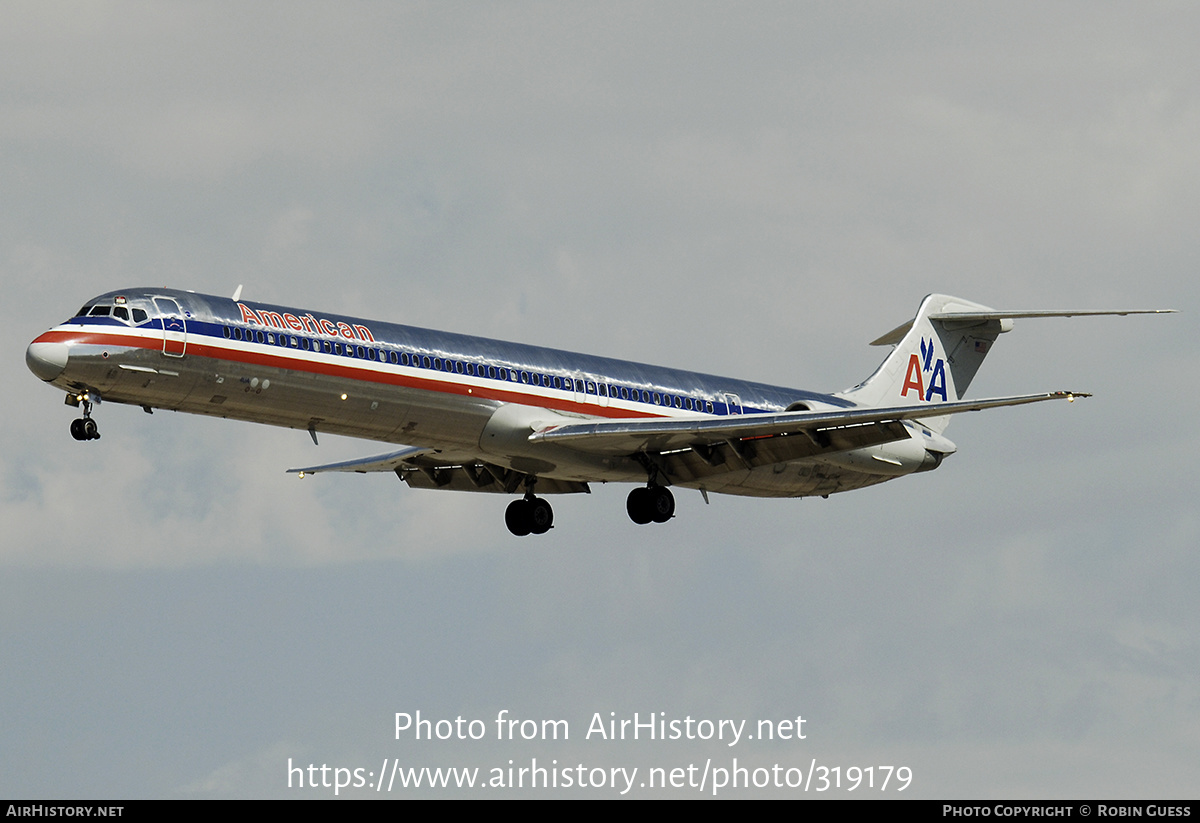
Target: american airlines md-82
473	414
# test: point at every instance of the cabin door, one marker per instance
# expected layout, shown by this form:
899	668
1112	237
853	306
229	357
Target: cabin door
174	325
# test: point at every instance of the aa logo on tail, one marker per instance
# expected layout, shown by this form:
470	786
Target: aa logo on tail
918	367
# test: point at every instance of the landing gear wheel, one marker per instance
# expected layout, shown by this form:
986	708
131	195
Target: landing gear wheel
84	428
653	503
662	504
541	516
517	518
638	505
529	515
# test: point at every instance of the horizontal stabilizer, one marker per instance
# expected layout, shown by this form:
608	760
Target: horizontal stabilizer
1013	315
897	334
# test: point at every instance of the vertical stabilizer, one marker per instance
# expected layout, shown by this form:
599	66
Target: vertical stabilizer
934	359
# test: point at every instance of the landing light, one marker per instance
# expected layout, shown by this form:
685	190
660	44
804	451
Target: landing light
343	396
301	475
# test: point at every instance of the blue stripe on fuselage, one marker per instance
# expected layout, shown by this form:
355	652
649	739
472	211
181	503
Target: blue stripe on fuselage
208	317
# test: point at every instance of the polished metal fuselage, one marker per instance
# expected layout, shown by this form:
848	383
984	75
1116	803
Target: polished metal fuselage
467	397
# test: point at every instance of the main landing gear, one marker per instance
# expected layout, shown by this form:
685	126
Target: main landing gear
83	428
533	515
529	515
648	503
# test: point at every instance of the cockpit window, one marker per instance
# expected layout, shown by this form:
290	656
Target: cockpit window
120	312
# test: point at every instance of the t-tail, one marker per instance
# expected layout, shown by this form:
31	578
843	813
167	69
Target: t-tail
938	352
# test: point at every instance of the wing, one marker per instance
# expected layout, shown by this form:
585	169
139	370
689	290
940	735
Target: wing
878	425
689	451
685	450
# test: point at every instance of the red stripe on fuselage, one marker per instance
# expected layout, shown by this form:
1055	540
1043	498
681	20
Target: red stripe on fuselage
360	375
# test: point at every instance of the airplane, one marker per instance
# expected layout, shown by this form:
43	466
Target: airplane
473	414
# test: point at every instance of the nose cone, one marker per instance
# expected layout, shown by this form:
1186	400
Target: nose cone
46	360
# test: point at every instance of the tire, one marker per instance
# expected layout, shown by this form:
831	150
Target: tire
638	505
518	518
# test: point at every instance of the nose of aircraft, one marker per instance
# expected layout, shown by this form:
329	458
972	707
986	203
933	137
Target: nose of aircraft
46	360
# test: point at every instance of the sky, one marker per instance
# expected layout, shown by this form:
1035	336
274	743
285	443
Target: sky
755	190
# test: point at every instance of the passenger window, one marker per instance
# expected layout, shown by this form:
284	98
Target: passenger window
225	330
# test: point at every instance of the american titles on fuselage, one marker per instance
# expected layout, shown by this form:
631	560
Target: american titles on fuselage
305	323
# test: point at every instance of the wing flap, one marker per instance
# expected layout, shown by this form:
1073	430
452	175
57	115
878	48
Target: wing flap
481	477
703	461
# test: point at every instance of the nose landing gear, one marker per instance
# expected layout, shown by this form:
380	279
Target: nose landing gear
83	428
